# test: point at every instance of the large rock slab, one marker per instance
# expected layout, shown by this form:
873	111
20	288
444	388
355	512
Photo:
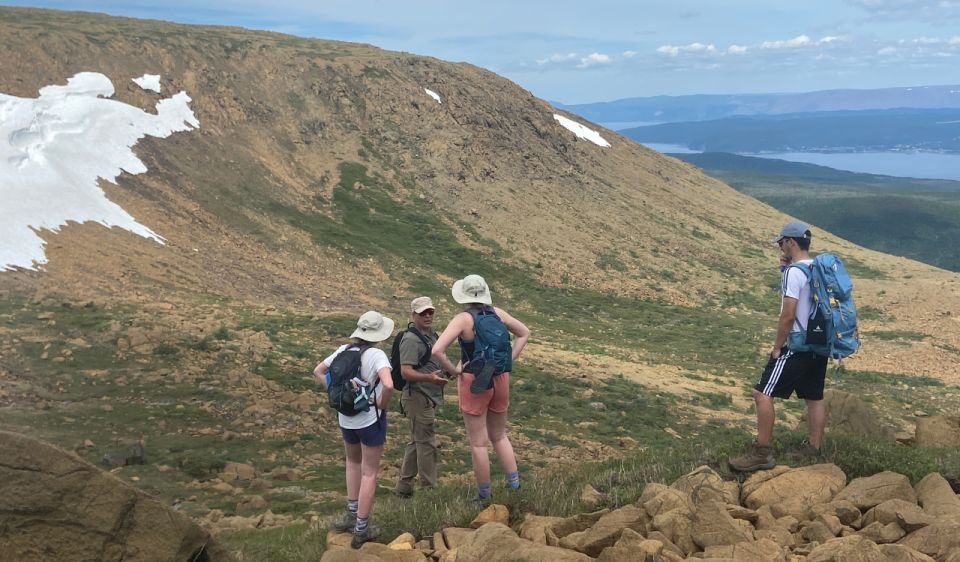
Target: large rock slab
607	530
569	525
56	506
705	485
938	540
792	491
873	490
763	550
936	497
938	431
495	542
713	526
909	516
856	548
534	527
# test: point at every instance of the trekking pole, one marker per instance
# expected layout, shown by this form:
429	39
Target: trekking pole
836	372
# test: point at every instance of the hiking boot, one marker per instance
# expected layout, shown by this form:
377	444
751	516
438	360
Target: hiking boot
405	494
481	503
756	457
347	521
366	535
809	454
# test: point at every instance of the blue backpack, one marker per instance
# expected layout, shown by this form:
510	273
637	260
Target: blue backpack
832	327
492	343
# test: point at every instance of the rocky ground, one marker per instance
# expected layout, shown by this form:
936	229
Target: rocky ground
810	514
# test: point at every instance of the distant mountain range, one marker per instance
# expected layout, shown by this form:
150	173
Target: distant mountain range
668	109
934	130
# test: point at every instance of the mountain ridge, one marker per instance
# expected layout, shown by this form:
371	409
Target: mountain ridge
701	107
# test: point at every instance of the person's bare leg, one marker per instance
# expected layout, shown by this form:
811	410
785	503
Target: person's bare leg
816	420
497	433
369	467
765	417
477	435
354	456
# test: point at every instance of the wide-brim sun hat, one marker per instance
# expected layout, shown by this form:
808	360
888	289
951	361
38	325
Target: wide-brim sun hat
373	327
471	289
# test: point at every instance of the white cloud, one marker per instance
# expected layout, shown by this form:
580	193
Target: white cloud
954	40
594	59
673	51
630	54
798	41
557	58
887	51
736	50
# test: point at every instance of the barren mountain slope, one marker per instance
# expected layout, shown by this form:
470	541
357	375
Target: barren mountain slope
323	177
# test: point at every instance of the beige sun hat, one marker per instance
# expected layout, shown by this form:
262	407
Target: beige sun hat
373	327
471	289
420	304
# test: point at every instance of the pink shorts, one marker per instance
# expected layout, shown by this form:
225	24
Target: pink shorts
497	399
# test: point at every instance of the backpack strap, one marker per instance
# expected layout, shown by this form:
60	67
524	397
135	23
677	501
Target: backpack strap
425	358
803	268
363	347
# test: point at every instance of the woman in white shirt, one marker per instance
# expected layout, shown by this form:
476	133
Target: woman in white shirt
364	433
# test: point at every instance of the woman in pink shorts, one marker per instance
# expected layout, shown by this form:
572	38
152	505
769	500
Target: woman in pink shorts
484	413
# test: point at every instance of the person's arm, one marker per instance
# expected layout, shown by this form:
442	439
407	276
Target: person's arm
386	390
320	373
518	329
410	373
410	354
788	315
450	333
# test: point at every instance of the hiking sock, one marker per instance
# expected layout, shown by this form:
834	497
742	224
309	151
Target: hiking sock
513	480
362	524
483	490
353	506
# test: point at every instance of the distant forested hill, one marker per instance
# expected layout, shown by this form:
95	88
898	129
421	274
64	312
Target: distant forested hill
909	217
848	131
668	109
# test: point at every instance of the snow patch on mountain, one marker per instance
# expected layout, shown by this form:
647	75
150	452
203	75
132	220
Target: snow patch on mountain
581	131
54	149
433	95
149	82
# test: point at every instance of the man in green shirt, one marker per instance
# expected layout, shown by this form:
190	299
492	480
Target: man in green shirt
419	400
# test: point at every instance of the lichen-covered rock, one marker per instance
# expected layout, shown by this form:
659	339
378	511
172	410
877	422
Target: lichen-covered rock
792	491
56	506
873	490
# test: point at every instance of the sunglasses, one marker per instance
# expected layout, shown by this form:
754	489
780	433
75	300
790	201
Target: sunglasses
427	312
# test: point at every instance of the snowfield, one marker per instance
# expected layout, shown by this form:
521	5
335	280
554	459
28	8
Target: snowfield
54	149
581	131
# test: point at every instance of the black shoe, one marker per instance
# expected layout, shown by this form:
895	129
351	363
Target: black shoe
366	535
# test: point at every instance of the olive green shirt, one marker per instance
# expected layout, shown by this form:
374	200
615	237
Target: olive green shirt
411	350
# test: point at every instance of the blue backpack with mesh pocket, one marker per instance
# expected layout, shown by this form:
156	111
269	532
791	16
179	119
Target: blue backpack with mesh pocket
832	326
492	342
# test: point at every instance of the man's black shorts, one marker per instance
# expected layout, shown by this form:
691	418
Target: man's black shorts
802	372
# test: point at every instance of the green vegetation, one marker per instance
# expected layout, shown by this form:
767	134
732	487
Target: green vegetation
916	218
898	335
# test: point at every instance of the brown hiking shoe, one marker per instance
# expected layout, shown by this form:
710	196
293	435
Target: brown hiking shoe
809	454
756	457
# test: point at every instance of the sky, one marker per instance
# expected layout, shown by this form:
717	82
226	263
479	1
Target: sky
600	50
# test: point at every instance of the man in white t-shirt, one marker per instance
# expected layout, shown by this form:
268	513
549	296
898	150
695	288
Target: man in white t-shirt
789	371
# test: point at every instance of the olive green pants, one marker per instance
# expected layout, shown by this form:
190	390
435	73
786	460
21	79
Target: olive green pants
421	455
